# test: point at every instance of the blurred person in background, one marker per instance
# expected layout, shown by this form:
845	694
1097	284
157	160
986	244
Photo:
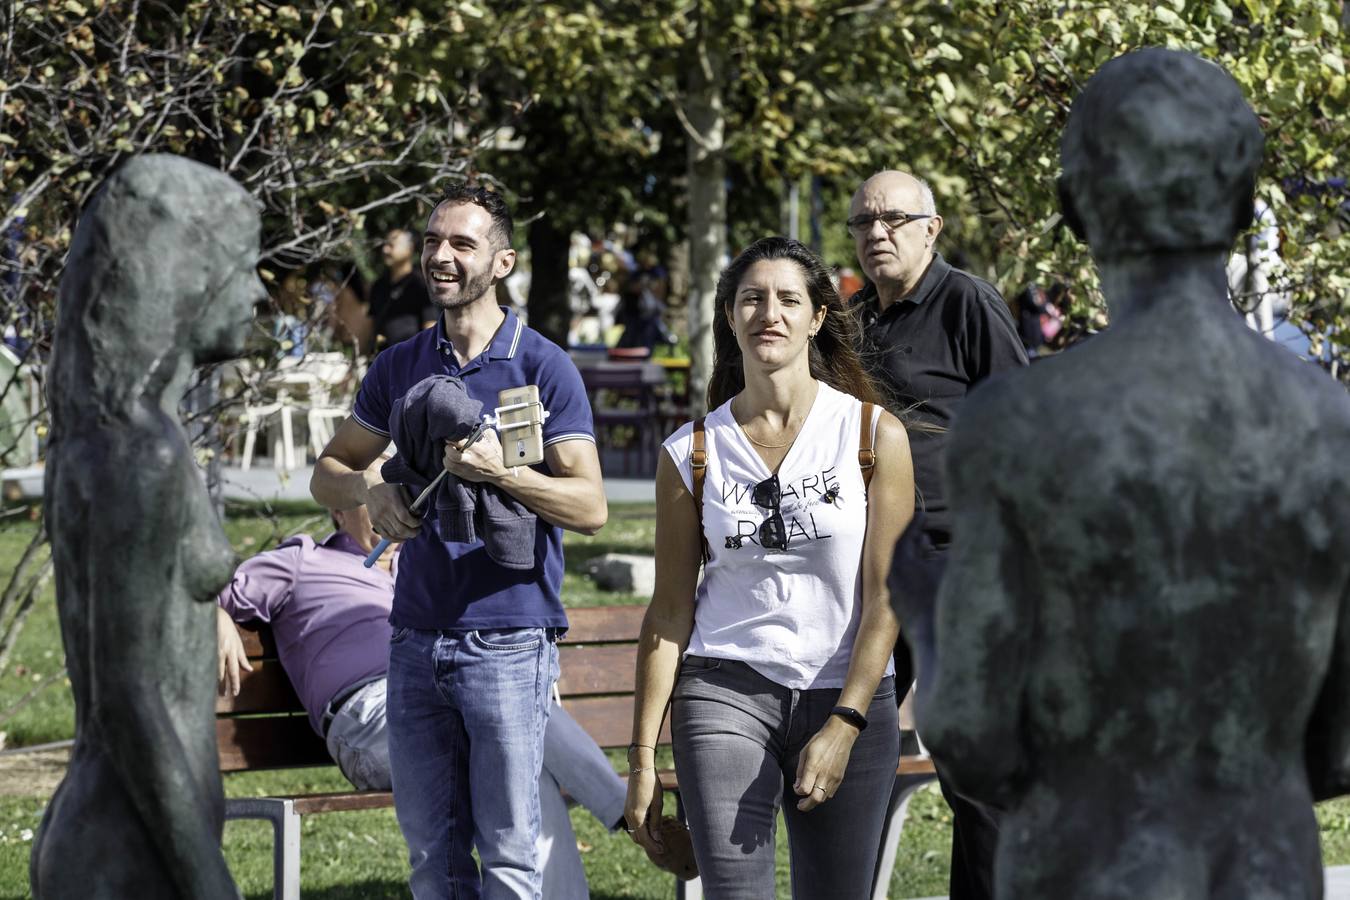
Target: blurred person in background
642	311
399	306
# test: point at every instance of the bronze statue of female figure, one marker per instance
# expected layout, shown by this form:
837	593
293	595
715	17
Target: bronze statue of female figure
160	278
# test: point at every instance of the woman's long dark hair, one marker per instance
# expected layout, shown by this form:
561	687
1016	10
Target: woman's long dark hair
834	350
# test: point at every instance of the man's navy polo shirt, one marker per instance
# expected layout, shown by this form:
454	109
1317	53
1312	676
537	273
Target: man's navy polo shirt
455	585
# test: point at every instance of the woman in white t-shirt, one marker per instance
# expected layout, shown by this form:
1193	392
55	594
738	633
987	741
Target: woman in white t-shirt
783	649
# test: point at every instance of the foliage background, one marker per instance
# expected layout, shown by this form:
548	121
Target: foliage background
342	118
690	121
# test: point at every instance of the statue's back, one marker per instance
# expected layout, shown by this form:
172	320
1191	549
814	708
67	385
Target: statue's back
1190	538
1141	647
1198	486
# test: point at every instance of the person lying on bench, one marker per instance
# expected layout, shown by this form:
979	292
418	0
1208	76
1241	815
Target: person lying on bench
329	616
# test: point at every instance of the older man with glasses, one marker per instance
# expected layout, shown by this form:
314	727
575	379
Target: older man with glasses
930	333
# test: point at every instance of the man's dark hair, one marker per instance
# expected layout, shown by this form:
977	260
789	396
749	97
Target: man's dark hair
491	201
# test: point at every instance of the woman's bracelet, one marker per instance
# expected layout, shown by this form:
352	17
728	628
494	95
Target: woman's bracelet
642	769
635	746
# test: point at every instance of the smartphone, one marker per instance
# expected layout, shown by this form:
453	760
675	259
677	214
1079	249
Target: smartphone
520	424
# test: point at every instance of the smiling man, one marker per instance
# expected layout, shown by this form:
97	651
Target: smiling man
472	651
931	332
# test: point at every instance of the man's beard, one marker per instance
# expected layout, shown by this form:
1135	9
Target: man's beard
470	290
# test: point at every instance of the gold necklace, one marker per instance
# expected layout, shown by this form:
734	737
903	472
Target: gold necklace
767	446
745	431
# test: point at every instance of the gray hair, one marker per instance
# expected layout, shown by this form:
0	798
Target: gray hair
926	204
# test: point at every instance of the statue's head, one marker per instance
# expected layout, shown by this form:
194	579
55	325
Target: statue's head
163	263
1160	154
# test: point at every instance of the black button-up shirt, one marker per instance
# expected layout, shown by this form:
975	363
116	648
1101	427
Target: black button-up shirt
928	350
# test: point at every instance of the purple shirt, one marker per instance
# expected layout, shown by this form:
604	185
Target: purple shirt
328	613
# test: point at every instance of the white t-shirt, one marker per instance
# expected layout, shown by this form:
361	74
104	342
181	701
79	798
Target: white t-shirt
792	614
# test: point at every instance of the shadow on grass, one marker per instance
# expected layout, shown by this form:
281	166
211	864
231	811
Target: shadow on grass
577	559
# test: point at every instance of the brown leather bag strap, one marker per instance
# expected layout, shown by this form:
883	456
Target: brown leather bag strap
698	462
867	458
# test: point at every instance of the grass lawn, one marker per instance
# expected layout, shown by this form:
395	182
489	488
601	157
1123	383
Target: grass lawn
361	854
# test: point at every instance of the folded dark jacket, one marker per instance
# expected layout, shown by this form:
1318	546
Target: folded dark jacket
435	410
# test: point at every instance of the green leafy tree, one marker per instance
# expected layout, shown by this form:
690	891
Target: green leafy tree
768	90
588	146
972	95
313	107
986	88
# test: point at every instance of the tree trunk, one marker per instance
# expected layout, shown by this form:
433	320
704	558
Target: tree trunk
707	202
548	304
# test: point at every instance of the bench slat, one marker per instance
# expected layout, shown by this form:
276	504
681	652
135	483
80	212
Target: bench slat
609	720
258	644
269	742
596	669
340	802
264	690
604	624
916	765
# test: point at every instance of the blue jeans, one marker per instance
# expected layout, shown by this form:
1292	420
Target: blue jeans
467	711
737	738
358	741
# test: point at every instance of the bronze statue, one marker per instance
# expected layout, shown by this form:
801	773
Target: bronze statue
1140	649
161	277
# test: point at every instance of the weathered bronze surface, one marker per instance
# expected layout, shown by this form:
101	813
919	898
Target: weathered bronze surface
161	277
1140	649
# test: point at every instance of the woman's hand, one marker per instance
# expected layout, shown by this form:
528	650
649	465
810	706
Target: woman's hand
642	810
822	763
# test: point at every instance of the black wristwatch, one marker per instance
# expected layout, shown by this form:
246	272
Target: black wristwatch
851	716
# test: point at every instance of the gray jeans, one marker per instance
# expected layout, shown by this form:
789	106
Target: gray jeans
737	737
358	740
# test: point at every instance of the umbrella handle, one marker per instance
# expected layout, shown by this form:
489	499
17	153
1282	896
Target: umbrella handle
375	554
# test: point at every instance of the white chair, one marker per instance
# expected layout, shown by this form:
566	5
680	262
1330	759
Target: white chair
319	386
330	396
20	406
281	404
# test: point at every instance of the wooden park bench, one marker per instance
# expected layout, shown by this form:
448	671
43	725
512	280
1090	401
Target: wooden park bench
265	727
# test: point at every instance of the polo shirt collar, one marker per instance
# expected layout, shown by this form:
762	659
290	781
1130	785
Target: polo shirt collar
503	345
936	274
345	543
869	300
341	540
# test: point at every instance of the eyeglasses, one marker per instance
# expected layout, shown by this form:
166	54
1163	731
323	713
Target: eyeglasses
890	220
773	532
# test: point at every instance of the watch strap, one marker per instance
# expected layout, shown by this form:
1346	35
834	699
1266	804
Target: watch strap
851	716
